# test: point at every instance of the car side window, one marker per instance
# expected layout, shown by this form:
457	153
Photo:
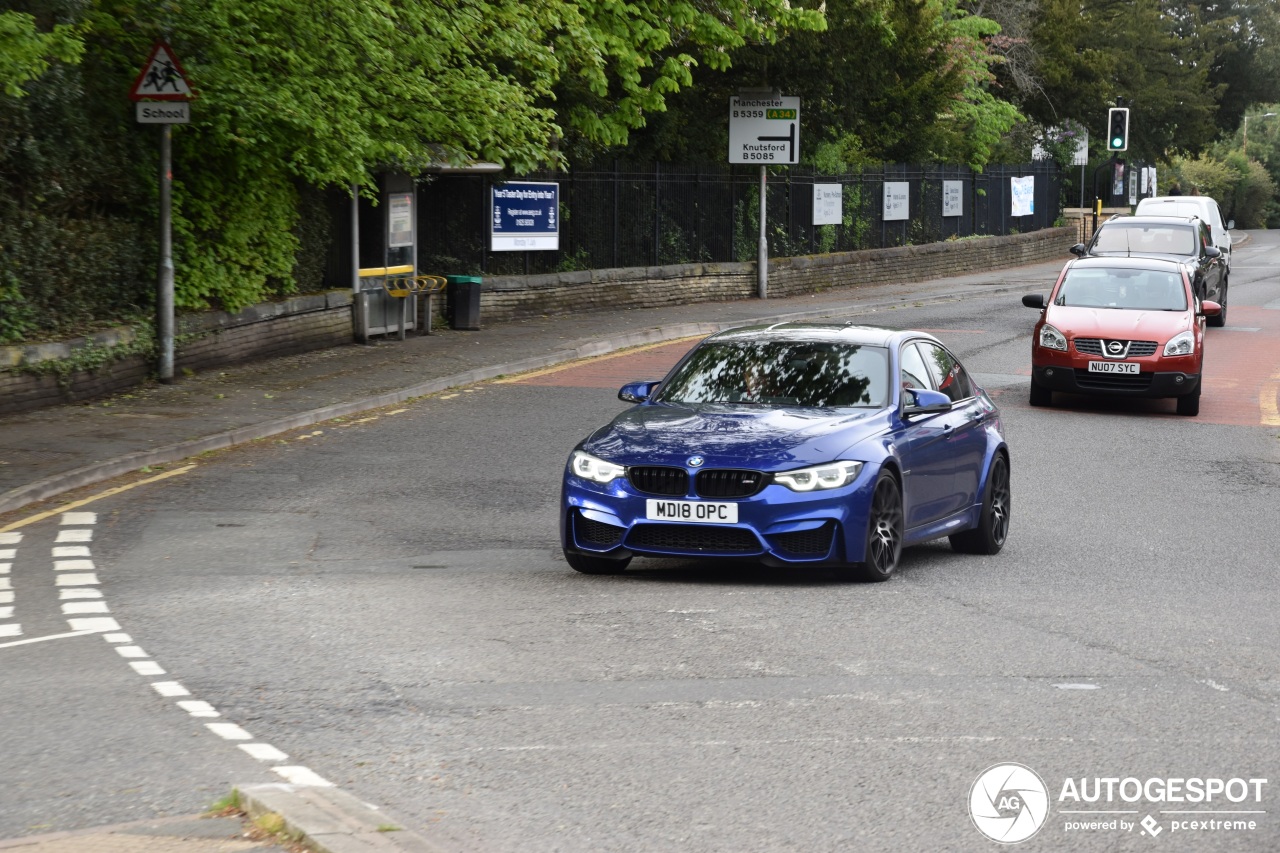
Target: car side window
952	379
914	373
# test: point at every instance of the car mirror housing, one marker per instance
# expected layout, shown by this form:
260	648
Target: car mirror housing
1212	252
924	401
1078	250
1210	309
1034	300
638	392
1231	223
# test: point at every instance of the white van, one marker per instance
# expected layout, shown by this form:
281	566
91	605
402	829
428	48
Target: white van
1193	205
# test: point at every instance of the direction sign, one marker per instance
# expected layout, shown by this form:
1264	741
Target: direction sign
161	78
764	130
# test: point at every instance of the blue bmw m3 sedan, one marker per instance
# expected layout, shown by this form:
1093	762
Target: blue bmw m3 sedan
795	444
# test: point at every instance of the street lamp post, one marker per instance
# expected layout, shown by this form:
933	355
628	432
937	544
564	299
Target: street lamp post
1245	146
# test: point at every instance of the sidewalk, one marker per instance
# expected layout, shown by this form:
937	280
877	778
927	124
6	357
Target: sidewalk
48	453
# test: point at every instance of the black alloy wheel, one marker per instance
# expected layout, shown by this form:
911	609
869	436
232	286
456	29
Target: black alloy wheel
993	525
884	531
1221	320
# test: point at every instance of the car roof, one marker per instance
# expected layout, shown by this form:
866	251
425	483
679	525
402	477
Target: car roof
1151	219
1126	263
843	333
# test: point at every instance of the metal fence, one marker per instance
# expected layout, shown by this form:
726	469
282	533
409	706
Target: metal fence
628	215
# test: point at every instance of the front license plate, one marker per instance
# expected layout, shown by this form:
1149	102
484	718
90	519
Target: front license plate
1114	367
702	512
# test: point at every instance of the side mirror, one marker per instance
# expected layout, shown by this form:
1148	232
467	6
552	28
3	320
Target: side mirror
1231	223
1212	252
1078	250
1210	308
924	401
1034	300
638	392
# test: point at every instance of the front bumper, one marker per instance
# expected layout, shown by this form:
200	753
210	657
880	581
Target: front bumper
776	527
1078	380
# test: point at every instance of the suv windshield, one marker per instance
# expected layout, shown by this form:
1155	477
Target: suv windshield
1135	289
782	373
1125	238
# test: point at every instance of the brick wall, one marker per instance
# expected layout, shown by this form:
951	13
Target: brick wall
214	338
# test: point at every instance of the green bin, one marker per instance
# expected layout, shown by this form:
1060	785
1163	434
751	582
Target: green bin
462	302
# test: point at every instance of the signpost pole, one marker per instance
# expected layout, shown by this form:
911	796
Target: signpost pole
164	293
762	257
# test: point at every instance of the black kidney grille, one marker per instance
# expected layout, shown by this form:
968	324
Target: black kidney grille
596	533
1137	349
729	483
1112	381
693	538
806	543
656	480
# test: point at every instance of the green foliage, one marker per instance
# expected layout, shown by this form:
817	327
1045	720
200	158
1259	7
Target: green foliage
25	51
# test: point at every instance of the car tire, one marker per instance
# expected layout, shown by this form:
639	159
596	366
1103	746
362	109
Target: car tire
993	524
1221	320
595	565
1189	404
1040	395
884	532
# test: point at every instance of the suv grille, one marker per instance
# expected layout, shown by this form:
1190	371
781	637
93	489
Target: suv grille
729	483
1112	381
659	481
684	538
1137	349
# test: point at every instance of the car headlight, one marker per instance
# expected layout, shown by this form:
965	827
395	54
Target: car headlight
1051	338
593	468
833	475
1183	344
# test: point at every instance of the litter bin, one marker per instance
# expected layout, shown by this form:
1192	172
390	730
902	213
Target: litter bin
462	302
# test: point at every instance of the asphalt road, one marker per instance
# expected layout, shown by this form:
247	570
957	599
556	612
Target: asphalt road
384	600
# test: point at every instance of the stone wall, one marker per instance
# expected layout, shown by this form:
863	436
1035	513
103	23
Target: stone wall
505	298
43	375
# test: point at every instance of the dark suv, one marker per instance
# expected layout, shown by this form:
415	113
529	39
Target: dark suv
1186	239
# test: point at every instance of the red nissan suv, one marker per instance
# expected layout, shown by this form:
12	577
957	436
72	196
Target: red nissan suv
1120	326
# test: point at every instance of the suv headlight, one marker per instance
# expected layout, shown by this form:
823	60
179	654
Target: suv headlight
1183	344
593	468
1051	338
833	475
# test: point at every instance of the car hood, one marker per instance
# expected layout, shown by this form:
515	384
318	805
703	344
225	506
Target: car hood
767	439
1124	323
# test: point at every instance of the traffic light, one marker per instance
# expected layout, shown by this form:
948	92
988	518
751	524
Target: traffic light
1118	129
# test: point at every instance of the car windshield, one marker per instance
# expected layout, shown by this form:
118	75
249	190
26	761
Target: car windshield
1135	289
1123	238
782	373
1171	208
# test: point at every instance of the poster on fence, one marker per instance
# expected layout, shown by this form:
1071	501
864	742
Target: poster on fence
1133	187
953	198
525	216
897	200
827	207
1023	193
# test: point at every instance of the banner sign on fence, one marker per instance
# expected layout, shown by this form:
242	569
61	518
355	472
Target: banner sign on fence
1023	193
897	195
827	206
525	216
953	198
